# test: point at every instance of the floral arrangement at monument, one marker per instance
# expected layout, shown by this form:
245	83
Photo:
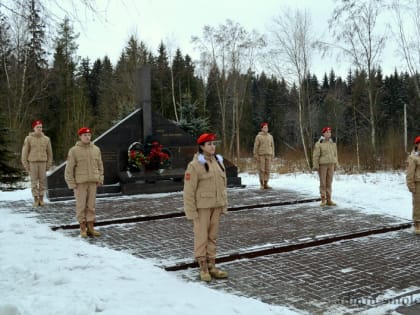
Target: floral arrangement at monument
151	156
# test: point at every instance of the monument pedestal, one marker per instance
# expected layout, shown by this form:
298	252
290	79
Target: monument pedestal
151	181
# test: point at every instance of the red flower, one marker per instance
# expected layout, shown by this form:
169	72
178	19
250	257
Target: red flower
155	158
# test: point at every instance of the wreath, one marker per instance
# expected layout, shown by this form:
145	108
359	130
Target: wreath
152	156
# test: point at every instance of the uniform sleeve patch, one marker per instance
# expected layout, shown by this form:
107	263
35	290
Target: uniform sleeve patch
187	176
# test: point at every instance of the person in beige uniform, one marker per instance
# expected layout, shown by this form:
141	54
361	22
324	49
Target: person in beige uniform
84	172
37	158
324	161
264	154
205	200
413	181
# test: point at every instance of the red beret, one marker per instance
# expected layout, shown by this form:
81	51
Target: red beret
205	137
325	129
263	124
417	140
84	130
36	123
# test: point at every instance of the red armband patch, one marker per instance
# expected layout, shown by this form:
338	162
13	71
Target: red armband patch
187	176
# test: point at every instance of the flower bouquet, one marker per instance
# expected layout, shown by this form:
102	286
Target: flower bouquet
151	156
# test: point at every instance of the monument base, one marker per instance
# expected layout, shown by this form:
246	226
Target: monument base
64	193
144	187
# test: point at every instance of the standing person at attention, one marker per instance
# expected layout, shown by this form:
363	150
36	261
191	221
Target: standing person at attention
413	181
324	161
37	158
84	173
264	154
205	200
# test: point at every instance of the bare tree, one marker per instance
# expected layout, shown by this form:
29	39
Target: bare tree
25	87
23	66
77	11
354	26
232	50
290	56
170	44
407	14
212	51
203	70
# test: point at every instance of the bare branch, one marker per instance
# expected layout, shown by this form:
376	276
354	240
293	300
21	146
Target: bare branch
408	41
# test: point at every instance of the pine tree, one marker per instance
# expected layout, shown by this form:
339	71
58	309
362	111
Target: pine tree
189	120
325	84
5	55
277	96
178	67
35	63
94	82
392	105
24	68
185	82
161	85
259	90
214	109
192	82
36	28
10	174
107	111
87	82
413	104
135	55
68	107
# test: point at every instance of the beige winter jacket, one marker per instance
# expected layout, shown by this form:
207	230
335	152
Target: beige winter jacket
36	148
263	144
413	171
84	165
202	189
325	152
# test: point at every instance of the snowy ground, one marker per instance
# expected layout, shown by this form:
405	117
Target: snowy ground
44	272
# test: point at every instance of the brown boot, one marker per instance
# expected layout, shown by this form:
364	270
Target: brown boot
41	201
83	231
323	201
91	231
261	184
36	202
417	227
216	273
204	270
331	203
266	185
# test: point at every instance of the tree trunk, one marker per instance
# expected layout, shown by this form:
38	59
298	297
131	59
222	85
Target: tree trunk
357	138
372	119
173	96
302	135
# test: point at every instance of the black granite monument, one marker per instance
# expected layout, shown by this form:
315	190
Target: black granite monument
141	128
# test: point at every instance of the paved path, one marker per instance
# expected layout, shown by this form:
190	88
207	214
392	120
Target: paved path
310	271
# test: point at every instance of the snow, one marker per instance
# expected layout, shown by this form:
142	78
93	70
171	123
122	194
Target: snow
45	272
382	192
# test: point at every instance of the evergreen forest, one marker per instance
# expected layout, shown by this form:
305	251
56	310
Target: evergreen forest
227	90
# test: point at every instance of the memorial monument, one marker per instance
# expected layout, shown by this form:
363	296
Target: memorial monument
159	147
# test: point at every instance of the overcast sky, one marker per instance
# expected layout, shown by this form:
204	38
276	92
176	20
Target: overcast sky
175	21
